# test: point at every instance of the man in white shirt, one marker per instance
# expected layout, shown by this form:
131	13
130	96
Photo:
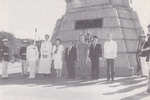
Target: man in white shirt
32	56
110	54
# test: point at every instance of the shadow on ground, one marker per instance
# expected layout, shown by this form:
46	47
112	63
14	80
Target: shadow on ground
132	83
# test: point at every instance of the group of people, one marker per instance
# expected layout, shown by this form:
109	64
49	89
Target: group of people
143	57
39	60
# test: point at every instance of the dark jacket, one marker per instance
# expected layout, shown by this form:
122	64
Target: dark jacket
5	54
95	52
23	53
71	56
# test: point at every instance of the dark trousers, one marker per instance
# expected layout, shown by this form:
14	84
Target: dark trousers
110	66
95	68
71	69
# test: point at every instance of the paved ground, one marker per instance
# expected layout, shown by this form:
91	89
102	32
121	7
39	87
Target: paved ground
19	87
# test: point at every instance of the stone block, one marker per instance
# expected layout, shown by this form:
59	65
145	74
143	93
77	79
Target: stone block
134	15
122	3
89	15
132	59
122	60
127	23
111	12
129	33
58	23
56	29
102	32
94	2
69	35
139	31
124	14
137	24
111	22
131	45
72	16
68	25
53	38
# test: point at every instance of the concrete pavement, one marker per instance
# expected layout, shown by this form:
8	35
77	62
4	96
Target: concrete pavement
19	87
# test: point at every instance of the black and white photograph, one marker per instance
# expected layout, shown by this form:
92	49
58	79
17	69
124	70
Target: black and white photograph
74	49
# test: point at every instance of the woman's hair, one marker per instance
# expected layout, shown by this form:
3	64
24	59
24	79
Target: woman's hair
58	39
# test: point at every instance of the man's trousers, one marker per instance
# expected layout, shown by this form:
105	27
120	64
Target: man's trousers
110	69
4	69
71	69
95	68
32	66
24	67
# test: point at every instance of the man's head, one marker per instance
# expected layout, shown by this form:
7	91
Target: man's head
31	42
46	37
25	42
70	42
109	37
95	39
5	42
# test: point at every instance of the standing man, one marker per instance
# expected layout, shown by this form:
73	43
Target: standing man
148	60
45	61
110	54
22	54
5	56
32	57
38	61
82	54
70	59
95	55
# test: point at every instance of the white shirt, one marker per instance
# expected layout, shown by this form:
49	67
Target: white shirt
110	49
32	53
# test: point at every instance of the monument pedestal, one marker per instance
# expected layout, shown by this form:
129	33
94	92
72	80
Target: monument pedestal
117	18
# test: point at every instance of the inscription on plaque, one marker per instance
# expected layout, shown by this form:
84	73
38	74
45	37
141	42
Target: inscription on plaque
86	24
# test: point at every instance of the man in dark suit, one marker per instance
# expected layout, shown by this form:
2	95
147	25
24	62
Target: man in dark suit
70	59
95	55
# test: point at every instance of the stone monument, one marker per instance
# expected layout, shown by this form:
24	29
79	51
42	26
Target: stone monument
101	17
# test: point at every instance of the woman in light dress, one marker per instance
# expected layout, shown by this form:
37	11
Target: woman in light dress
45	61
58	51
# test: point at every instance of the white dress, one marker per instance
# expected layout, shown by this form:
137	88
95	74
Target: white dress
58	56
45	63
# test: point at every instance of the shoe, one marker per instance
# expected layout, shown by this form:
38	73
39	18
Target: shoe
47	77
112	79
29	77
108	80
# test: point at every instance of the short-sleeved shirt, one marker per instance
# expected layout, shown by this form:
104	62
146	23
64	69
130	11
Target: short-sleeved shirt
83	48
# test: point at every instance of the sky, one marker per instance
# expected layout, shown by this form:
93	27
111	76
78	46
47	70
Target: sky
21	17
